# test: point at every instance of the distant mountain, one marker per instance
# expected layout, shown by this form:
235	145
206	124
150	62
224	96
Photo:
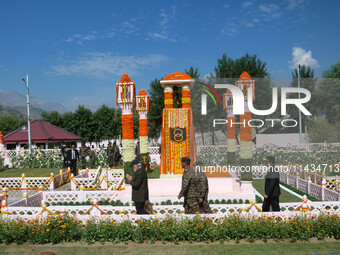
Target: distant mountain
10	111
35	112
14	99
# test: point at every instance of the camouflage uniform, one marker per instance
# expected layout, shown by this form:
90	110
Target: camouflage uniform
189	191
92	158
115	151
203	191
83	154
111	155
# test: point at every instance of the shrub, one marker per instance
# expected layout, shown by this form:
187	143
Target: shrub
56	229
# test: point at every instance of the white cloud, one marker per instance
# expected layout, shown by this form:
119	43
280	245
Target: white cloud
225	6
246	4
106	65
292	4
165	23
229	28
124	29
269	11
302	57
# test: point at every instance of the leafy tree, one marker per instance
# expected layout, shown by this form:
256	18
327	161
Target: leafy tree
332	72
320	130
328	96
229	68
9	123
156	93
67	122
104	123
308	82
229	71
54	118
82	123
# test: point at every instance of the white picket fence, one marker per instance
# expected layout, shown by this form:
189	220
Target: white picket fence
120	213
320	191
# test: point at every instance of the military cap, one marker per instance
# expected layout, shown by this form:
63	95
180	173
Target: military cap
186	160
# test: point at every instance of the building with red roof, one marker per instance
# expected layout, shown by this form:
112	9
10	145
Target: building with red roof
42	134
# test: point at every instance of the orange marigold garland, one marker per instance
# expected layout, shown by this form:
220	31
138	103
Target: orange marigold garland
231	128
245	131
168	100
143	127
127	127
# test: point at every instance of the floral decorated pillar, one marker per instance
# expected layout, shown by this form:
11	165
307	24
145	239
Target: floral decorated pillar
142	107
2	143
178	138
231	129
168	97
245	83
125	97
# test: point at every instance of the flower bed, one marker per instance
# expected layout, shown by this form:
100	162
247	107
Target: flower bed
196	229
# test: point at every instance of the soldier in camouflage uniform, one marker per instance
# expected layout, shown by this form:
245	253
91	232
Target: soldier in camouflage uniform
83	154
202	188
107	153
116	154
92	153
111	154
189	188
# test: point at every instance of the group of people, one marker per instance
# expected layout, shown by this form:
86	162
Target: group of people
113	154
195	187
72	156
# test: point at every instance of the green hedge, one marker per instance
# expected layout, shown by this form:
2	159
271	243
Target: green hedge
167	202
59	229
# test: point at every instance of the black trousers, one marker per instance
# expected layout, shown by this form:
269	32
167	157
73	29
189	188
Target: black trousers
140	208
273	202
73	166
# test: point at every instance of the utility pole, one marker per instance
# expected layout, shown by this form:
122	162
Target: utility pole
300	121
28	115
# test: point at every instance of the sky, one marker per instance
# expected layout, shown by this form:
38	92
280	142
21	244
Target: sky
75	51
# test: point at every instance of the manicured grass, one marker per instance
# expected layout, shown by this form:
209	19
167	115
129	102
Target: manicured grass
32	172
285	197
154	172
315	247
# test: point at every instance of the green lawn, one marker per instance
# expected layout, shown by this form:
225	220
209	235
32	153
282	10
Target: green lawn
315	247
154	172
285	197
32	172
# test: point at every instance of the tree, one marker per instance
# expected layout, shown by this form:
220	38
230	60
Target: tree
332	72
82	123
229	71
320	130
229	68
156	93
9	123
308	82
104	121
54	118
327	94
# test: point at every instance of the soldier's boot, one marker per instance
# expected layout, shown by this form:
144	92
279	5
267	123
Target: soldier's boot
206	207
